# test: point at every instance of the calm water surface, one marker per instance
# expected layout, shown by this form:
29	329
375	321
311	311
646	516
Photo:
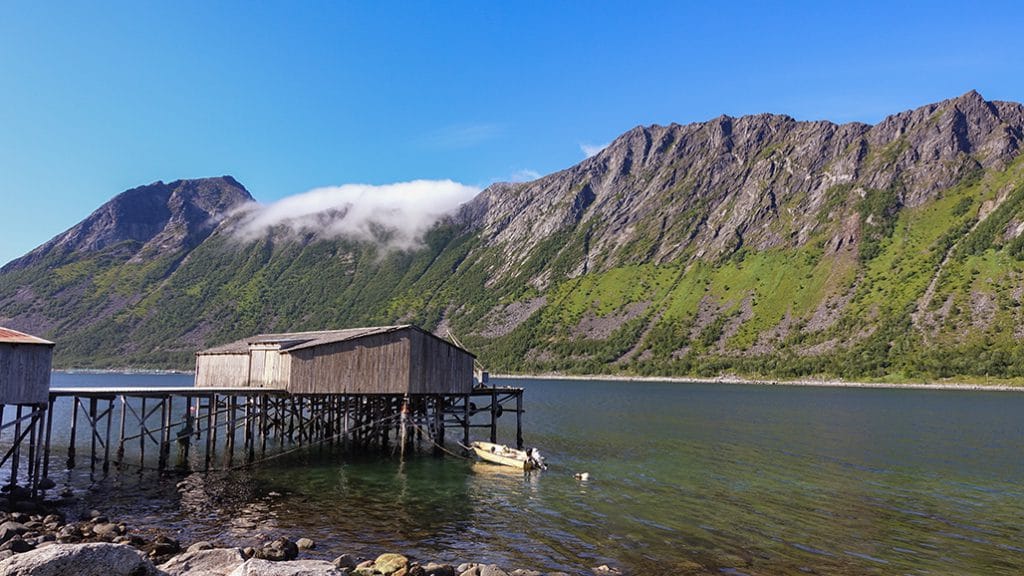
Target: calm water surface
684	478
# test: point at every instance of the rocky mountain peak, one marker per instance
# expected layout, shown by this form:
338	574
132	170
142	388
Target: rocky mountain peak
145	219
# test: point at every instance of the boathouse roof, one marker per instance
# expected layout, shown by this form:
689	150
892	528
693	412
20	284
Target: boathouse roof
9	336
294	341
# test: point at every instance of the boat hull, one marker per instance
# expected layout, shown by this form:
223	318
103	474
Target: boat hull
502	455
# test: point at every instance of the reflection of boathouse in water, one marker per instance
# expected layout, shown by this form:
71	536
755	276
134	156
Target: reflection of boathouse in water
365	388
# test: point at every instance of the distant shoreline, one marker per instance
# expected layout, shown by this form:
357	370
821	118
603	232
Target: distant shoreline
824	383
147	371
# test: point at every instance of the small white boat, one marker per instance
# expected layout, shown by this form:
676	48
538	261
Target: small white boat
501	454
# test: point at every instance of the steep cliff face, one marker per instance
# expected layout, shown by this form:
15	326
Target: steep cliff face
702	191
760	245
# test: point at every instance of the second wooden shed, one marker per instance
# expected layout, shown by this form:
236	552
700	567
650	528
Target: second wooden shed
379	360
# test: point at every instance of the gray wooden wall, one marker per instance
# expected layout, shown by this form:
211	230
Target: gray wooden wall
377	364
25	373
400	362
437	367
222	370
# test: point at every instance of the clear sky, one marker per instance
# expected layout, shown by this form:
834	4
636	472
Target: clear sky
98	97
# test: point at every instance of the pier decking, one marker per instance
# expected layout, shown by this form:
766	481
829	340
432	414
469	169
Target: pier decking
207	429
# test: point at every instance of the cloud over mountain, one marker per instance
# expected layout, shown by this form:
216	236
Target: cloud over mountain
397	214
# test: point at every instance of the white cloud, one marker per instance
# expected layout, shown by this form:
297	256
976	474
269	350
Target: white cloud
592	149
524	175
406	210
463	135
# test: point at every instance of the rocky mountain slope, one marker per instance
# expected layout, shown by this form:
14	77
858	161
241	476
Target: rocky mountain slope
758	245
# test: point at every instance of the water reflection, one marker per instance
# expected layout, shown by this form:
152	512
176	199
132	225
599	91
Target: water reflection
684	479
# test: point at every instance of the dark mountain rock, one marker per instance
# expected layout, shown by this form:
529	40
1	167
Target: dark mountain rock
761	245
149	219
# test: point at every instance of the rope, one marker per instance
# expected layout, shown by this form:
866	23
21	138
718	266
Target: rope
440	447
305	447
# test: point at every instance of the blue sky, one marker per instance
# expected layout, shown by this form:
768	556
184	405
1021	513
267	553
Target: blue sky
96	98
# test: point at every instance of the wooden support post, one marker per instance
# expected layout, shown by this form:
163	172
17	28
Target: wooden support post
106	442
344	415
31	468
211	429
263	423
143	431
17	446
92	437
74	432
465	420
250	427
165	432
494	415
46	443
519	420
190	428
120	442
40	432
229	435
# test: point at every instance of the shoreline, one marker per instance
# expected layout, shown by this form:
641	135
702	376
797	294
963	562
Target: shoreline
809	383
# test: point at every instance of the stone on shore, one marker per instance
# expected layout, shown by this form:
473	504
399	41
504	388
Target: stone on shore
433	569
305	544
388	564
346	562
278	550
492	570
204	562
99	559
258	567
10	529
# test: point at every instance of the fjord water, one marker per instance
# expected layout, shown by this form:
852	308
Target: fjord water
684	478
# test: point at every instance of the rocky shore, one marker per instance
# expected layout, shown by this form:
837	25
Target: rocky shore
44	543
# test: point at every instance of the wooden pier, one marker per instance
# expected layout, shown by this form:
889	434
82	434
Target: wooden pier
392	388
211	429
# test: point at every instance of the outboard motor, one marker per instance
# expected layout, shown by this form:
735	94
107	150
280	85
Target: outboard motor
534	456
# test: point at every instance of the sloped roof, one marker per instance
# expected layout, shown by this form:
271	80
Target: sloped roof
291	341
8	336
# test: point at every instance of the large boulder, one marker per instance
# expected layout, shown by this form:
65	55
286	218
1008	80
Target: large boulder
388	564
204	562
99	559
258	567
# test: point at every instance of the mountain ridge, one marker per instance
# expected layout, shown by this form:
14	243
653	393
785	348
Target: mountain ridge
758	245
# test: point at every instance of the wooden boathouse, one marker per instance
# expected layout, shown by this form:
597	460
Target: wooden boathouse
25	363
377	388
382	360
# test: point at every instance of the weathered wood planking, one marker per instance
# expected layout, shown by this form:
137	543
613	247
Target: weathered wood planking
25	373
222	370
385	360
